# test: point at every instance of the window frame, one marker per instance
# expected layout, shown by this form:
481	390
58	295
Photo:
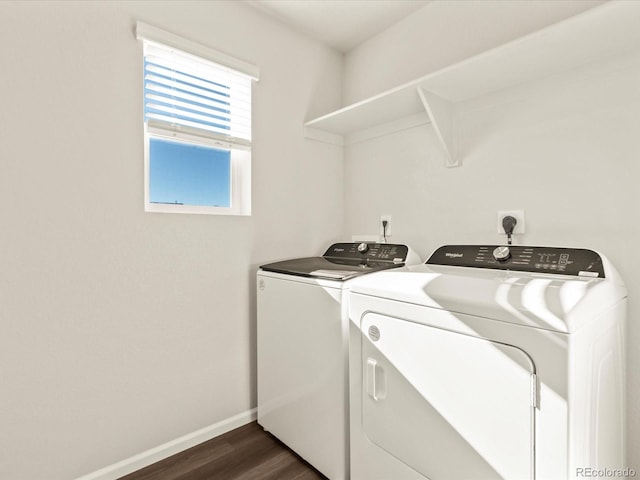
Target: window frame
240	149
240	176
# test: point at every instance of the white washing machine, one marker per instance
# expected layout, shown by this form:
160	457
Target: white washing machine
302	342
470	367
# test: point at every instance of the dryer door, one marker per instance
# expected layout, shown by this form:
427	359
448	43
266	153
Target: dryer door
446	404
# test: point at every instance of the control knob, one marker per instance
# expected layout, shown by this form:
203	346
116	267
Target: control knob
501	253
363	247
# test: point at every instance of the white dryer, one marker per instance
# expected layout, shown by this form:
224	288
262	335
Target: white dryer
302	343
470	367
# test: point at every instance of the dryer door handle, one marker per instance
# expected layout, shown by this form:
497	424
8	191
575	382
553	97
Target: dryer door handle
376	385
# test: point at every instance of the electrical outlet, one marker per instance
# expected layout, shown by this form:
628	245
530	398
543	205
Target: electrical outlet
518	215
388	229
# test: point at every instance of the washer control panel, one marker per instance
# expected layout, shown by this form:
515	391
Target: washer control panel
565	261
370	251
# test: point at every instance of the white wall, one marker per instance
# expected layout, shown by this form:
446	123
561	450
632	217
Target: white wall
121	330
564	149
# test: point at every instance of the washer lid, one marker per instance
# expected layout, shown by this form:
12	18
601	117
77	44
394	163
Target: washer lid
343	261
331	268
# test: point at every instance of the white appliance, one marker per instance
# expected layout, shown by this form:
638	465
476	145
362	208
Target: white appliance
470	367
302	343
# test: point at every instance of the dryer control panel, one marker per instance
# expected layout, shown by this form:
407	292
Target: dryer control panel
565	261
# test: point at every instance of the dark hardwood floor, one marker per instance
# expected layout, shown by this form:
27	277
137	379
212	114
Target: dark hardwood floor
246	453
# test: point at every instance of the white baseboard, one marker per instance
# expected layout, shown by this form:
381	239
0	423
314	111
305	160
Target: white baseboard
153	455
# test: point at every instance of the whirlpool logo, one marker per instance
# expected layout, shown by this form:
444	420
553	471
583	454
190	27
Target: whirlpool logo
453	255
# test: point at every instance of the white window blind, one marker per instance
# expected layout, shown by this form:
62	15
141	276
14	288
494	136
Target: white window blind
183	93
191	94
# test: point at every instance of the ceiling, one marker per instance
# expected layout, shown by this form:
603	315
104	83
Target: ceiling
341	24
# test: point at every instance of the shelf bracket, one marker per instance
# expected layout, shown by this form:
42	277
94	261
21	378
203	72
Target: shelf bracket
440	113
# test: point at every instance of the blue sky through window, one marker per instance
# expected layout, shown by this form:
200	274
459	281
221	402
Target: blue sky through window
189	174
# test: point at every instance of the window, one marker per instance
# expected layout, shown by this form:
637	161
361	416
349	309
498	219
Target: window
197	127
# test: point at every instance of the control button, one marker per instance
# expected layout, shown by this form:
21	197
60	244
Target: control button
501	253
363	248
